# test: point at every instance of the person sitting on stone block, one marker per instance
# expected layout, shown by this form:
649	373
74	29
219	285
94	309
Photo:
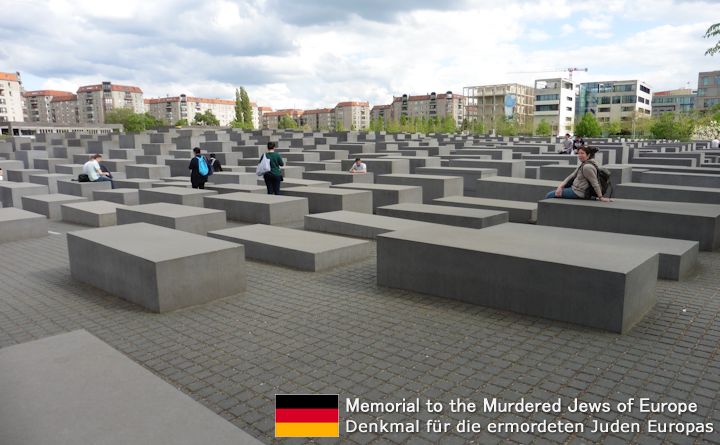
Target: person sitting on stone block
585	176
92	169
215	164
358	167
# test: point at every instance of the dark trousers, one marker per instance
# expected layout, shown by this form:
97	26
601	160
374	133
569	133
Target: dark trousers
272	183
198	182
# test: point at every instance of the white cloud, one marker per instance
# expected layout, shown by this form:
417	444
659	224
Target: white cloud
315	55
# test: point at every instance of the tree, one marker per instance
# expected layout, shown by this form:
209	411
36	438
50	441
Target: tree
448	124
246	106
669	126
543	128
286	122
133	122
182	123
206	118
588	127
339	126
506	127
611	128
237	122
713	31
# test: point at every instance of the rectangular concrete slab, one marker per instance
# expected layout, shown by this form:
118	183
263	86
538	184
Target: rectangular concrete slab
162	269
136	183
658	192
105	398
529	275
452	216
387	194
295	248
469	175
322	199
126	196
258	208
17	224
514	189
50	180
147	171
339	177
358	225
518	211
90	213
434	186
11	193
677	258
235	188
84	189
50	205
175	195
173	216
664	219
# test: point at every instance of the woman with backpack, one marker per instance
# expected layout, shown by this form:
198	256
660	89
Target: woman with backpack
584	178
199	170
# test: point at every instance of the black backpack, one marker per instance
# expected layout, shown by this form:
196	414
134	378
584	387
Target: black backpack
603	175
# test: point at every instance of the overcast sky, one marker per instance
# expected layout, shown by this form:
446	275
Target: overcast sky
306	54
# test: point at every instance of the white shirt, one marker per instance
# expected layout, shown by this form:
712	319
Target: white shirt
91	168
359	168
715	143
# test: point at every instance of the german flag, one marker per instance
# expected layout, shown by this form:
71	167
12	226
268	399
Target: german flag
307	415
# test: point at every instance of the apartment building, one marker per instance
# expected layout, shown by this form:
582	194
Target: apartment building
11	101
64	110
614	101
95	101
708	92
490	103
172	109
321	119
555	104
428	106
680	101
38	104
382	113
271	119
352	115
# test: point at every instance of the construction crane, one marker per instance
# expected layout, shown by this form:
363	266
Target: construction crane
570	71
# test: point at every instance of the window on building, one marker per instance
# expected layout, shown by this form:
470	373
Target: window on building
605	100
706	81
547	97
628	108
570	99
568	108
644	89
628	99
604	110
701	92
553	107
616	99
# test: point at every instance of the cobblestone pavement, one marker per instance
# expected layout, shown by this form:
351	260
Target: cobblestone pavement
337	332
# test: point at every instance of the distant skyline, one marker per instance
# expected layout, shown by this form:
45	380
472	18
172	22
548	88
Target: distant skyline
313	54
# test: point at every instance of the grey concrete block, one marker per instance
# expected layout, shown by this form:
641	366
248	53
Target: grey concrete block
529	275
162	269
90	213
387	194
416	162
173	216
17	224
518	211
452	216
119	196
514	189
22	175
469	175
514	168
257	208
358	225
434	186
174	195
680	179
323	199
135	183
339	177
69	169
50	180
50	165
295	248
11	193
234	188
147	171
658	192
294	182
381	166
100	386
233	178
50	205
84	189
677	258
677	220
